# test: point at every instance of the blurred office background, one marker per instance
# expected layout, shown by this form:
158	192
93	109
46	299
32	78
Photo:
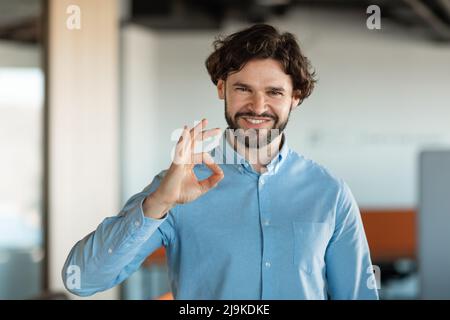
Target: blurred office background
88	108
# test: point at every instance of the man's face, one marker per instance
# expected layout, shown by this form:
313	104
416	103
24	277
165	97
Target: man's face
259	97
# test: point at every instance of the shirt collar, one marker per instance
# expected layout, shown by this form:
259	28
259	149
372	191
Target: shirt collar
224	153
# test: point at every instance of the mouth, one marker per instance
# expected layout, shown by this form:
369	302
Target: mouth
256	122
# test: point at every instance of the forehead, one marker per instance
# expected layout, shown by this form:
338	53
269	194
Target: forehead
262	72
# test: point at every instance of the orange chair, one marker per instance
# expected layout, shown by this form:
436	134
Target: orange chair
391	233
165	296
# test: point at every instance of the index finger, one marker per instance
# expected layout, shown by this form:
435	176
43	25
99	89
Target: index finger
208	133
198	128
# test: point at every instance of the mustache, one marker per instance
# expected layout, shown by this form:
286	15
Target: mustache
252	114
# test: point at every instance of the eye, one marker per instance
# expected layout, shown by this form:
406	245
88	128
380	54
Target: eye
242	89
275	93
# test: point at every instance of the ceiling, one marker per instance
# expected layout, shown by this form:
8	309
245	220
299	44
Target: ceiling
20	19
430	16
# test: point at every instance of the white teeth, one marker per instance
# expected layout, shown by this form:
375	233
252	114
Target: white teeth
254	121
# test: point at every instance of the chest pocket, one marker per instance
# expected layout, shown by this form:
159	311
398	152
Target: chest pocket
310	243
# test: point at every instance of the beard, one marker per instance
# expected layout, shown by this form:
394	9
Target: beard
255	138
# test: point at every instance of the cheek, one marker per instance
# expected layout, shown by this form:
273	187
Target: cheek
237	99
235	104
282	114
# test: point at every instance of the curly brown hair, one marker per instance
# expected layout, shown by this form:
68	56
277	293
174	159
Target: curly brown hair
261	41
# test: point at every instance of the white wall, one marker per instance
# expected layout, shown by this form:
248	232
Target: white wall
381	96
140	109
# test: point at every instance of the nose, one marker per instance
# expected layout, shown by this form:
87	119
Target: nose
258	103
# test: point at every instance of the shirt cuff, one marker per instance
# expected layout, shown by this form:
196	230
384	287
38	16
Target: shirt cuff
141	227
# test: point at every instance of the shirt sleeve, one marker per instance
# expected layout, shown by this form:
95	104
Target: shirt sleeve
117	248
348	264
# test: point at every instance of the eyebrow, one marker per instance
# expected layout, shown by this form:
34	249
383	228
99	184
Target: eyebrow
244	85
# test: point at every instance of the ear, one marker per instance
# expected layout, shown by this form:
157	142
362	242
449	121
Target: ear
221	89
296	99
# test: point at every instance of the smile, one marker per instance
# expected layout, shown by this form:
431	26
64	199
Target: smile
256	120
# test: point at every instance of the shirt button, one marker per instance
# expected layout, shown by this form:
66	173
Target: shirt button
261	181
137	223
268	264
109	250
266	223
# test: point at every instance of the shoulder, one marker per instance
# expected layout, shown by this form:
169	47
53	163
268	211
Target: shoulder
327	186
314	172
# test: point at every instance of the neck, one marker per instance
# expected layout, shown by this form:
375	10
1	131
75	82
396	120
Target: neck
259	158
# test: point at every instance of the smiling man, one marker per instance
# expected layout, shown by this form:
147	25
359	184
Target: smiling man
252	219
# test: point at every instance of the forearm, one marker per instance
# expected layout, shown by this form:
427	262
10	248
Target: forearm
112	252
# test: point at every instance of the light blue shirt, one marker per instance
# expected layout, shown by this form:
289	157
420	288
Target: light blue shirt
293	232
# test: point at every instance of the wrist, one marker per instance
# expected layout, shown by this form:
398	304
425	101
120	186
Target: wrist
155	206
